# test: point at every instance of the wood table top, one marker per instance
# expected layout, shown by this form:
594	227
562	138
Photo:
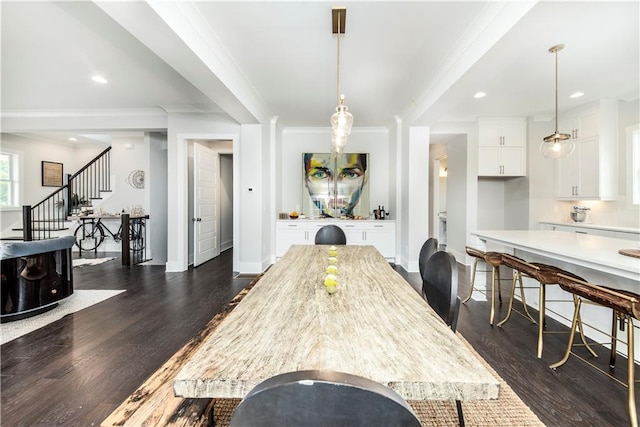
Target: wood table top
376	326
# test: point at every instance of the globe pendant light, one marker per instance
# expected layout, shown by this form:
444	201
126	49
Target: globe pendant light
342	119
557	144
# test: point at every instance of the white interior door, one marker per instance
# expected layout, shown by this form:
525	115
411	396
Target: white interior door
205	204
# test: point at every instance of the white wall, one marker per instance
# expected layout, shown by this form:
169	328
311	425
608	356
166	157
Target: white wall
296	141
34	151
157	184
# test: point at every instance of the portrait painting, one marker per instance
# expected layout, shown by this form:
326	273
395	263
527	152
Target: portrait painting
335	186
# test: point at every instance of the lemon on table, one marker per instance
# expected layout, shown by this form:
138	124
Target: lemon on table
333	252
330	280
332	289
333	260
333	269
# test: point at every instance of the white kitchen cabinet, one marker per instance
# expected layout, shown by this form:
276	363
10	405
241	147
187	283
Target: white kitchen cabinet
294	232
590	172
502	147
381	234
581	123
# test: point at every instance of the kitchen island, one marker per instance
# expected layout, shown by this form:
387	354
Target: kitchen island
594	258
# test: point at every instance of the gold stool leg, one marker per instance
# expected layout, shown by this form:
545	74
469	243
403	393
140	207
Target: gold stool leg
583	338
574	322
524	300
516	275
473	280
541	319
614	339
631	378
493	294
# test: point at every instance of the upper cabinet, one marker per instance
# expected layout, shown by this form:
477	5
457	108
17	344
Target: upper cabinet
590	173
502	147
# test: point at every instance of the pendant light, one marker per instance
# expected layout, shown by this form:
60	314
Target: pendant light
557	144
342	119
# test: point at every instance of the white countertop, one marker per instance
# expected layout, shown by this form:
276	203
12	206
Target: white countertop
595	252
595	226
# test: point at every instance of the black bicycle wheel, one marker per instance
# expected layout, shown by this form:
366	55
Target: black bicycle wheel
137	233
88	236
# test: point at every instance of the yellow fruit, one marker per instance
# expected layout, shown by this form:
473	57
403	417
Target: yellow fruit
333	260
332	269
332	289
333	252
330	280
332	248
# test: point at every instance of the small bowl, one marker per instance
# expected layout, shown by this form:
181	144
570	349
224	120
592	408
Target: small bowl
293	216
578	216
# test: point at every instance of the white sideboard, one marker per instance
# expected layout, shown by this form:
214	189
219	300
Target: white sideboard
381	234
626	233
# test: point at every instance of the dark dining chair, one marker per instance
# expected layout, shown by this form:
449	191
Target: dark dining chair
331	235
322	398
440	289
429	248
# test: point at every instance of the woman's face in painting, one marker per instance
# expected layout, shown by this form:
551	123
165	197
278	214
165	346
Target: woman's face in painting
350	173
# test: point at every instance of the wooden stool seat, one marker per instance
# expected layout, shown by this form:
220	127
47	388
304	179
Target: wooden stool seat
545	274
494	260
625	306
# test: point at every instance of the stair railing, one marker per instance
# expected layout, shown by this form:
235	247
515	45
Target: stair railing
86	184
49	215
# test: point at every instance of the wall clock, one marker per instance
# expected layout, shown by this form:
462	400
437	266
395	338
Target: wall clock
136	179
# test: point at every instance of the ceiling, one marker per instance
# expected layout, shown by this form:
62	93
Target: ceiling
419	61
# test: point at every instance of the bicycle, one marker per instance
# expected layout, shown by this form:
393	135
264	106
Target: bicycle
90	235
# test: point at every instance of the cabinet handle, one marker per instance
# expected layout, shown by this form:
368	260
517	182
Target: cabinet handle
581	232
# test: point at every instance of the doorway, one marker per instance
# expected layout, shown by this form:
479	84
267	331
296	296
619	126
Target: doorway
210	199
439	213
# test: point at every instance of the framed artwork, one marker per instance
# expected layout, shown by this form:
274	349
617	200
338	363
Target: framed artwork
51	174
335	186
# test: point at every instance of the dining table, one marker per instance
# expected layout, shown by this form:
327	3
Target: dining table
375	326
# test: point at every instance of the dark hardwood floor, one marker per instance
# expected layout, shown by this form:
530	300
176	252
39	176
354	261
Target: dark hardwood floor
76	371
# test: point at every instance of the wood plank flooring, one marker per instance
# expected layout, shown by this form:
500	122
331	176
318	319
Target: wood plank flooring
76	371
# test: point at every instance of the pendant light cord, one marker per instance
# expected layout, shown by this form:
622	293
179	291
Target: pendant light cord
338	88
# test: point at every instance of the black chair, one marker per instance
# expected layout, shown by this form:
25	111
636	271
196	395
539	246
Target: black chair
429	248
331	235
322	398
440	286
440	289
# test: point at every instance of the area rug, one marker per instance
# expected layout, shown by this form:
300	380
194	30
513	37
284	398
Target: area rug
79	262
79	300
154	403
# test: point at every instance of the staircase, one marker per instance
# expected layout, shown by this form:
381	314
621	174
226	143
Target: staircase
45	219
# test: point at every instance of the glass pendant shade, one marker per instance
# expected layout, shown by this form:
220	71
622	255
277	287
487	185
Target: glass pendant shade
557	145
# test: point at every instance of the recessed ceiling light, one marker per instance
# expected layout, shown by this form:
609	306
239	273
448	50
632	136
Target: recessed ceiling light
576	95
99	79
479	95
73	139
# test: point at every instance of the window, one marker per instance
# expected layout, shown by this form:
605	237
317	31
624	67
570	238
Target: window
634	145
9	179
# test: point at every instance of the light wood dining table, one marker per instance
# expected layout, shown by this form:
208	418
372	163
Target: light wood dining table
375	326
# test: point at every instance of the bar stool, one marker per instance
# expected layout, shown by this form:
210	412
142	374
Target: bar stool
625	306
545	275
494	260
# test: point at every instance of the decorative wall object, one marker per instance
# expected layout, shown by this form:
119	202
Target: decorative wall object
335	185
136	179
51	174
